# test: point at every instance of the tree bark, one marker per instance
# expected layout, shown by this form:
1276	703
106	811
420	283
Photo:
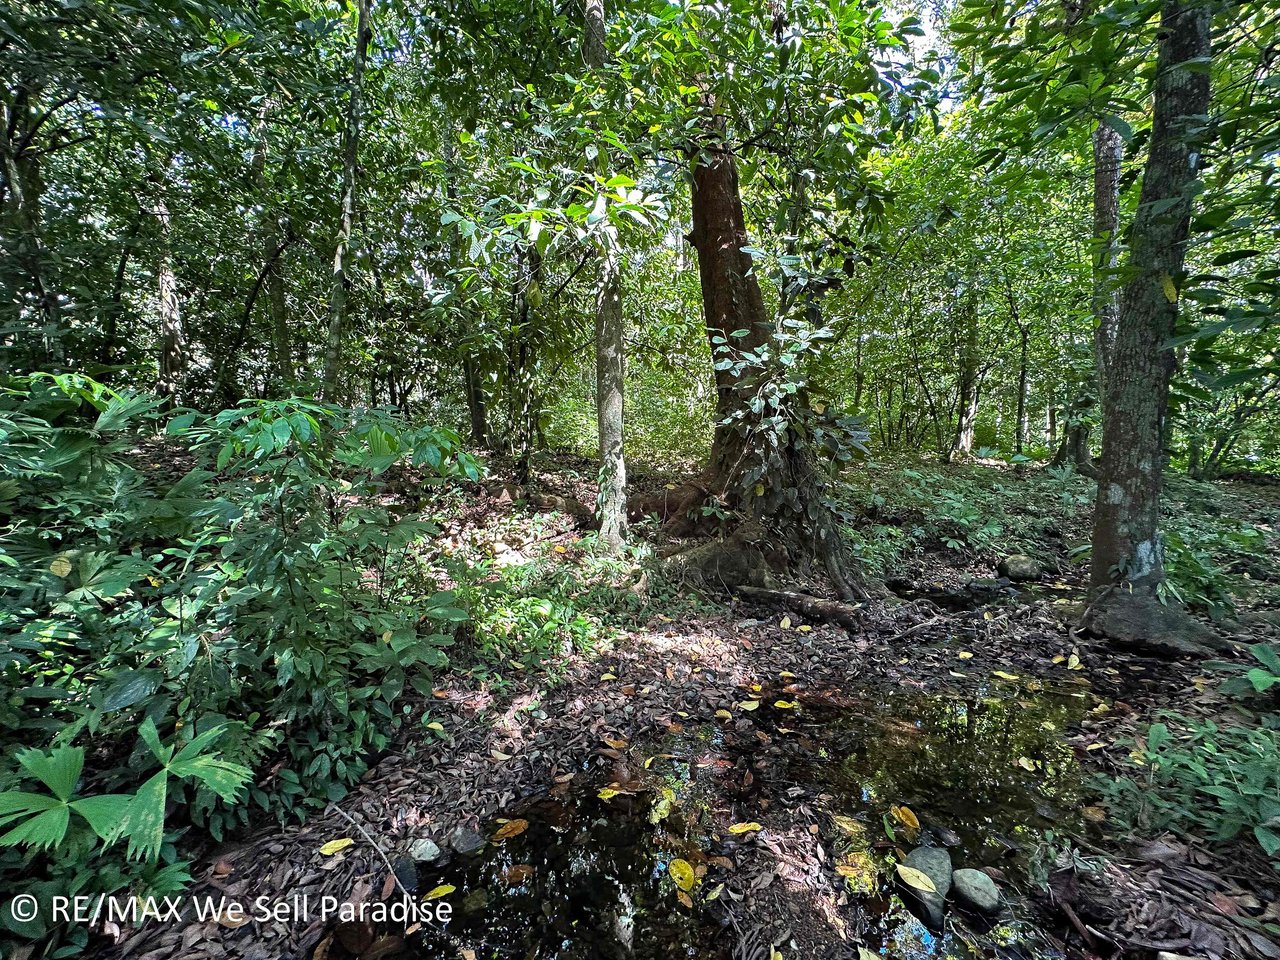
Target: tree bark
737	327
610	330
970	388
350	157
1108	149
1128	563
171	361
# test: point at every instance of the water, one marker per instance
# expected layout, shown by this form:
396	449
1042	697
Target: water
588	878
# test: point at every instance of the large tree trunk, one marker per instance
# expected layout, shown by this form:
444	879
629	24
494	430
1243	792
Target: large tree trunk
1108	149
610	346
350	158
1127	562
737	327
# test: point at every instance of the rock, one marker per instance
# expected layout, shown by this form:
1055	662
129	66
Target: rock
424	851
975	890
406	872
476	901
466	842
934	863
1019	567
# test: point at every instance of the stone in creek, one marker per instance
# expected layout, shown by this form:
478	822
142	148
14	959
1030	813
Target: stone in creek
934	863
424	851
466	842
1020	567
477	901
976	890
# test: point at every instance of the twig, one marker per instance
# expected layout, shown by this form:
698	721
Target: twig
364	833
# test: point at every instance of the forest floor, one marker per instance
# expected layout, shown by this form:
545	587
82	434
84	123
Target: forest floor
659	773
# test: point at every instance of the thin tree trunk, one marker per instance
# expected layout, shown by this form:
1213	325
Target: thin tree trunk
969	388
1127	562
610	345
172	337
350	157
1107	151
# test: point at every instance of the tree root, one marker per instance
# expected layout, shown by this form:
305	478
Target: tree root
829	611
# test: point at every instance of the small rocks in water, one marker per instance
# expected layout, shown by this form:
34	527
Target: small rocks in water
476	901
943	836
466	842
406	872
934	863
424	851
1020	567
976	890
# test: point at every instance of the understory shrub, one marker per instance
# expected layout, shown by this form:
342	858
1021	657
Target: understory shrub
186	636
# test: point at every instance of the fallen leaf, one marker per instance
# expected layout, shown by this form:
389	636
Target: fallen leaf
906	817
499	755
1004	676
786	623
750	827
60	566
336	846
965	655
724	715
1026	763
847	824
684	899
606	677
714	892
784	704
441	891
682	874
749	705
916	878
517	874
512	828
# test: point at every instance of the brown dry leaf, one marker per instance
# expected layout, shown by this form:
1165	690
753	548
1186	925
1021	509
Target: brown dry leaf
1094	814
684	899
512	828
499	755
616	744
223	868
388	886
516	874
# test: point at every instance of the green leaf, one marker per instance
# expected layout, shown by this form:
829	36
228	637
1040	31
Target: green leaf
58	771
144	822
105	814
42	831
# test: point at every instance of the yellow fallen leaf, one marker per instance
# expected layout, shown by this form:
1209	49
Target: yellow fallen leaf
916	878
1059	659
785	624
436	725
1004	676
1025	763
906	817
608	793
560	548
669	486
784	704
606	677
441	891
965	655
60	566
336	846
787	675
724	715
682	874
847	824
512	828
1073	663
750	705
804	628
715	892
750	827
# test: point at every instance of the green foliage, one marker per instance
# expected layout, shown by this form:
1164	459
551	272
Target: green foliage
261	590
1250	681
1197	776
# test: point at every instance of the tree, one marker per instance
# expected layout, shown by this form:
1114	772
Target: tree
610	340
350	163
1127	570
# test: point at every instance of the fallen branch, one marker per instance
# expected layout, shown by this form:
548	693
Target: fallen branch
831	611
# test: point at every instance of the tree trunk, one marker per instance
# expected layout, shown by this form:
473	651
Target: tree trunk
172	337
350	157
22	200
1108	149
737	327
969	388
610	345
1127	562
